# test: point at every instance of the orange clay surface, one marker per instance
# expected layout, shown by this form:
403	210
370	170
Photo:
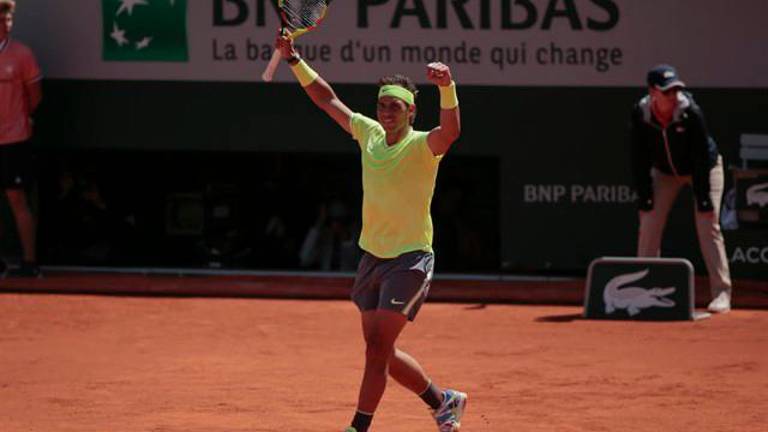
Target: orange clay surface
108	364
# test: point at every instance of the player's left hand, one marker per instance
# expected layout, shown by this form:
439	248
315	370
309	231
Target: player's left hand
439	74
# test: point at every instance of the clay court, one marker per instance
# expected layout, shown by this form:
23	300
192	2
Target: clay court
187	194
174	364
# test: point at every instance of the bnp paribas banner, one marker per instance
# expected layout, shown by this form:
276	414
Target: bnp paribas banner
714	43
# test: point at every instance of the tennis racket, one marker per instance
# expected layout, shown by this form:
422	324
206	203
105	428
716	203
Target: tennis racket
298	17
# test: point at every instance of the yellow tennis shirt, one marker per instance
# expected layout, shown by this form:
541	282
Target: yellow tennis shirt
398	185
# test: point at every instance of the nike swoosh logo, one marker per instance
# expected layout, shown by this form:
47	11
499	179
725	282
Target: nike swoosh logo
395	302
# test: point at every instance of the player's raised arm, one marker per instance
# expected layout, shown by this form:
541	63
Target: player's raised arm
441	137
316	87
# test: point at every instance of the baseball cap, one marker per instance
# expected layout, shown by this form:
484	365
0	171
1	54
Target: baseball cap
7	6
664	77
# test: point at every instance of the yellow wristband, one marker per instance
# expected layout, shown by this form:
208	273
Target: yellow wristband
304	73
448	97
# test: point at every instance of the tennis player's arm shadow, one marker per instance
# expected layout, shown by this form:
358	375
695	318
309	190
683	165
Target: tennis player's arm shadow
559	318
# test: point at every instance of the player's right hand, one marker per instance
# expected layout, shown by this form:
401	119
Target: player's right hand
285	44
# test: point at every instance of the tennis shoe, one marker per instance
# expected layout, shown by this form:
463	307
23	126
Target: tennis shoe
448	415
721	303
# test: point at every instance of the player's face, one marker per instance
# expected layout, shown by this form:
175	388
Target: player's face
6	23
393	113
664	101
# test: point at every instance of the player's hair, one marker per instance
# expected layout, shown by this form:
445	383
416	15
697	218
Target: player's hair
7	6
402	81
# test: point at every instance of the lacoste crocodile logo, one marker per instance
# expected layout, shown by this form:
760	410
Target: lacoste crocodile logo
634	299
758	194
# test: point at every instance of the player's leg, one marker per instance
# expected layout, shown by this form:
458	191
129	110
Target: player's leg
25	222
404	288
3	266
6	179
365	295
409	373
713	246
652	223
381	329
14	166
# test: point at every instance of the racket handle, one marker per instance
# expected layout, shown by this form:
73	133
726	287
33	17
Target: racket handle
269	72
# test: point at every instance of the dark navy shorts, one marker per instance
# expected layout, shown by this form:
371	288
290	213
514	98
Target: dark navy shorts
15	160
398	284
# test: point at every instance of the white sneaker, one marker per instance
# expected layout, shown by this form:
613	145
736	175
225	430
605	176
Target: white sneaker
448	416
721	303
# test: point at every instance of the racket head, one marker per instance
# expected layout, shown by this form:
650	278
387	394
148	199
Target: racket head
301	16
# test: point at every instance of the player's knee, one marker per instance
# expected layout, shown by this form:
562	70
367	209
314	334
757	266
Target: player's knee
379	350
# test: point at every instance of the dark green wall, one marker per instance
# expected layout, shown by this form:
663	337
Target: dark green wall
535	135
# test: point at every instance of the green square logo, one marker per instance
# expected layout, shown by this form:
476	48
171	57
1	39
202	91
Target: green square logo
145	30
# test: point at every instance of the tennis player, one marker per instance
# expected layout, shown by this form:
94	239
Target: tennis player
393	277
20	94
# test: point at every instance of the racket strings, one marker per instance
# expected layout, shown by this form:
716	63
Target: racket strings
304	14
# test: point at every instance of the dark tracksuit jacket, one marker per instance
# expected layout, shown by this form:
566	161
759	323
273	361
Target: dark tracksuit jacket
684	148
